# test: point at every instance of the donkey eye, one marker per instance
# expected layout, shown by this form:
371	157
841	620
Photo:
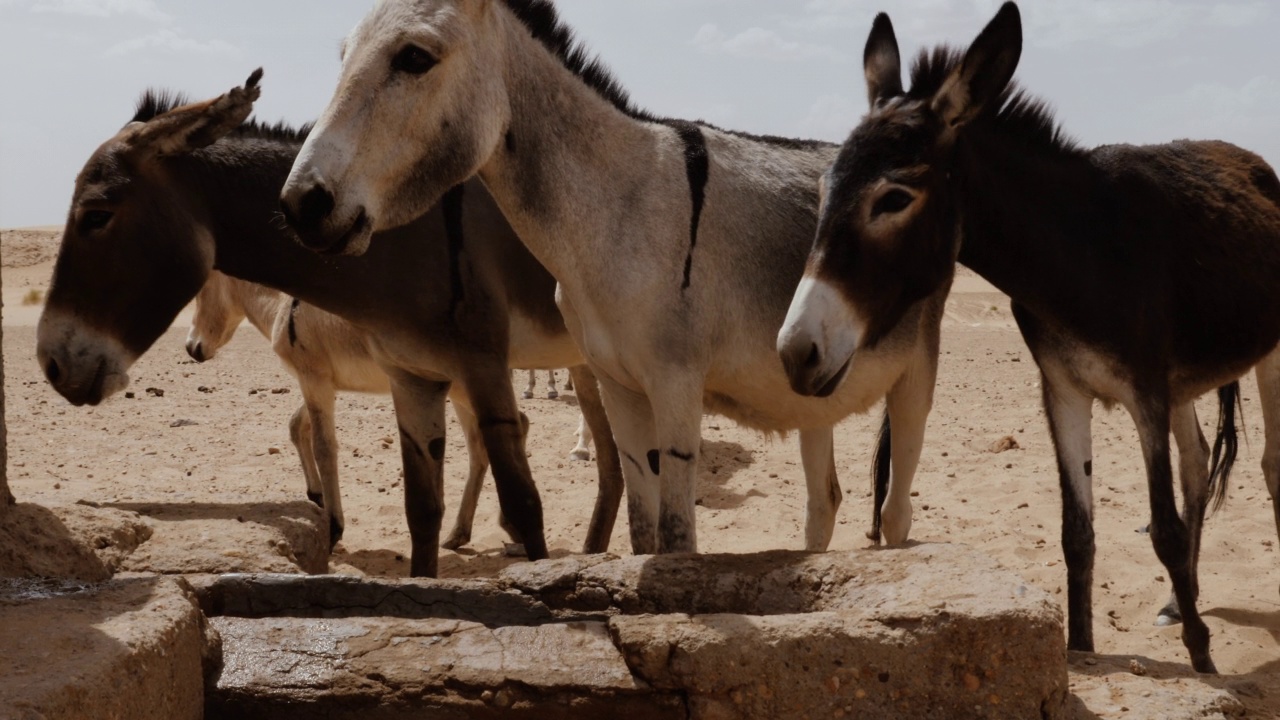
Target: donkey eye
94	220
413	60
892	202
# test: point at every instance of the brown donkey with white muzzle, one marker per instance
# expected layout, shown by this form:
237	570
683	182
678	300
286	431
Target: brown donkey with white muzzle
1140	276
453	298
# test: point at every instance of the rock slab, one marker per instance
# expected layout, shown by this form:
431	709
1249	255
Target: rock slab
135	648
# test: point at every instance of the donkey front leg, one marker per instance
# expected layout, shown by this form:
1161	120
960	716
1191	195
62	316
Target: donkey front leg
1193	472
1070	415
502	427
817	454
477	467
582	450
300	436
1169	534
608	466
677	414
909	403
319	399
632	422
419	405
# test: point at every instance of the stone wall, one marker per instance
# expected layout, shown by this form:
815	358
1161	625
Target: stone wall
6	497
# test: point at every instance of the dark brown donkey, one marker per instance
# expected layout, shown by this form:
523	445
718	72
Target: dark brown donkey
453	296
1144	276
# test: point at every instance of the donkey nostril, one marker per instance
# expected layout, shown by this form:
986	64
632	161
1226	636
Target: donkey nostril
814	358
316	205
52	371
196	351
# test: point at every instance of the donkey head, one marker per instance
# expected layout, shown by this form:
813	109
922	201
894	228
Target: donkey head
130	220
888	226
419	108
219	312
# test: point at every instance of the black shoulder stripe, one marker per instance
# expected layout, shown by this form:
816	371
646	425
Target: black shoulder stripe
293	325
698	166
451	205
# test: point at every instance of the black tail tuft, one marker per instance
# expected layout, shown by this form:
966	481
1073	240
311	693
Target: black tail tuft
880	476
1226	444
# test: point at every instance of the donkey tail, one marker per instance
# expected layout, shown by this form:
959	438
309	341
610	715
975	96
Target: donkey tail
1226	444
880	476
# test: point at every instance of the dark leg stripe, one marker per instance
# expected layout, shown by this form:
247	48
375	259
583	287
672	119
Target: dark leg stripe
654	457
293	327
698	166
408	443
687	457
634	461
451	204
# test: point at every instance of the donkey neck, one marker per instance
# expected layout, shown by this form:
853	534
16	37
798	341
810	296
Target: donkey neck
1028	220
567	152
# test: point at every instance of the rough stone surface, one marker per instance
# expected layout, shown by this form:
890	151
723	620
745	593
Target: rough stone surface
1110	686
216	538
6	496
382	668
72	542
134	648
933	631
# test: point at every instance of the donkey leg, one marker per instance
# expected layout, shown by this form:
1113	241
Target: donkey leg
632	422
419	405
552	393
608	465
477	467
817	454
909	403
1169	534
677	413
1268	372
300	436
503	426
530	386
1070	415
582	450
319	400
1193	472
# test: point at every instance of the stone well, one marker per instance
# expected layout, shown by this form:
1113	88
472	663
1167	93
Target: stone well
933	631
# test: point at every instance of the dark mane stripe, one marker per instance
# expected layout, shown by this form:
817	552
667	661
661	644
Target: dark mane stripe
155	103
1018	114
545	25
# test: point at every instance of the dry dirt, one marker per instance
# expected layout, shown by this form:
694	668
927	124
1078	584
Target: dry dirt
751	490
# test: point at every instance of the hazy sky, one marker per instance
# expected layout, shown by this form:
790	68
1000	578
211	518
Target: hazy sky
1116	70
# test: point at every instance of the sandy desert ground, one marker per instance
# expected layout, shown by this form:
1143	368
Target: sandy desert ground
751	491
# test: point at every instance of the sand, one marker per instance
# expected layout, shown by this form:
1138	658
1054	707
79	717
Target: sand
751	489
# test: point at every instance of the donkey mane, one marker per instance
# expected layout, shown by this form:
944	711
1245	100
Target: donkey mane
1017	113
544	23
154	103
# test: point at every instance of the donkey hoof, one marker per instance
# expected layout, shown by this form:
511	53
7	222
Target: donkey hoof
1167	620
335	532
552	394
527	394
580	455
515	550
457	539
315	497
874	536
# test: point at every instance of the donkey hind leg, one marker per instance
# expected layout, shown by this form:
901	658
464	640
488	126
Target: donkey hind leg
1169	535
324	446
582	451
1193	472
1070	415
419	406
552	393
1268	372
300	435
908	403
477	467
530	386
608	468
817	454
632	422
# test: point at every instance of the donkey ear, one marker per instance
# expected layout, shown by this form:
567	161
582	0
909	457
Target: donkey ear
985	72
191	127
881	62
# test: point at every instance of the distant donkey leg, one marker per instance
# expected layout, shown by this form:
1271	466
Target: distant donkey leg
300	435
478	466
552	393
582	451
531	386
324	447
908	404
1193	472
610	485
1268	372
632	423
817	454
1070	415
503	427
1169	535
419	408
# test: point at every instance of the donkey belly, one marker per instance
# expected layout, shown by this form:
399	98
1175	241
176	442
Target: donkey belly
534	347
